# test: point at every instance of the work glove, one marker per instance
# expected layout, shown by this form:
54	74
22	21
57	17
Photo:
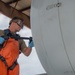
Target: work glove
31	43
1	40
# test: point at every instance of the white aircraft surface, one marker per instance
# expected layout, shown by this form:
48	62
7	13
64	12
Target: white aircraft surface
53	30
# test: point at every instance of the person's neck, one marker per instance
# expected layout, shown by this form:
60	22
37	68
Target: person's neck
12	30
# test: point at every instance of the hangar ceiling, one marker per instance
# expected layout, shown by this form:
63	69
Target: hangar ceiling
20	8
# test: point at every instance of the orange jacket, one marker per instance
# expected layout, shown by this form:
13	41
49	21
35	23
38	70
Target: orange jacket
10	52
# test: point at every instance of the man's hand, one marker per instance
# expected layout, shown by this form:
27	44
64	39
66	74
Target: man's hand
31	44
1	40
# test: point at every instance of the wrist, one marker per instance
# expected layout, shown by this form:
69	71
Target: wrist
29	46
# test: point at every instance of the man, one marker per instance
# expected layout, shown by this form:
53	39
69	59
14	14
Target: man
11	47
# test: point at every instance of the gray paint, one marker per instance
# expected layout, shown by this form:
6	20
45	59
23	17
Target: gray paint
42	74
53	30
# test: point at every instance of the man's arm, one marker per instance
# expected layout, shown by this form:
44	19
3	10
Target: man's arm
26	51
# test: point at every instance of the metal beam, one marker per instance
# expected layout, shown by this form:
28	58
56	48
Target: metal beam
6	10
25	9
12	2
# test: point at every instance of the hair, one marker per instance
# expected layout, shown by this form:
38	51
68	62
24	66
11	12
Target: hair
14	18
